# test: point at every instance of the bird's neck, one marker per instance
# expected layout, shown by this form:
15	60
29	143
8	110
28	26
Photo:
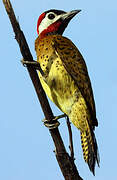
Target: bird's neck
53	29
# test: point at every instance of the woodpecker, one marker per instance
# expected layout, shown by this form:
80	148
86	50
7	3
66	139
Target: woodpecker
65	78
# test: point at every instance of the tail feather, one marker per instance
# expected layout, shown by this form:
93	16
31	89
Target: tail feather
90	149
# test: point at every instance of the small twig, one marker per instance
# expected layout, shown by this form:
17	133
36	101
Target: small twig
70	138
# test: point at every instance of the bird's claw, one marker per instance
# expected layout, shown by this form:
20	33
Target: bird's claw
59	117
53	123
26	63
34	64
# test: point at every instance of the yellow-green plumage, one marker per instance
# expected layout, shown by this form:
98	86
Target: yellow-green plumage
67	84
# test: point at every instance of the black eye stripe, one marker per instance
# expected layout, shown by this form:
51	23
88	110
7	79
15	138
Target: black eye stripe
51	16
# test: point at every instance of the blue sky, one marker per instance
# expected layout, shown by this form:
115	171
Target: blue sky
26	148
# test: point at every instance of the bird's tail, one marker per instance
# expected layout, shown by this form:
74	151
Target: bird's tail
90	148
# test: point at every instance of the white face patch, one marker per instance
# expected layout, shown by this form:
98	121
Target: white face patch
47	22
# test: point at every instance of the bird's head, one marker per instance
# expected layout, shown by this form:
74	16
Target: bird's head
54	21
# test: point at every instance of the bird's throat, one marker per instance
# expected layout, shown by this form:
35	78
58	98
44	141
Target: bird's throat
53	29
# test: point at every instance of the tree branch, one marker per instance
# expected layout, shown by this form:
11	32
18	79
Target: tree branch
65	162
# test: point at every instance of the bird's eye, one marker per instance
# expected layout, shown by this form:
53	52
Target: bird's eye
51	16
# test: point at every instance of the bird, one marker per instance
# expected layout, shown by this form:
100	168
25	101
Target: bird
65	78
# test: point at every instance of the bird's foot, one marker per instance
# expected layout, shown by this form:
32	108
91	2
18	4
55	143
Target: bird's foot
33	64
53	123
59	117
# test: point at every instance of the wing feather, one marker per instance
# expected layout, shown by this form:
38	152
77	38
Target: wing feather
75	65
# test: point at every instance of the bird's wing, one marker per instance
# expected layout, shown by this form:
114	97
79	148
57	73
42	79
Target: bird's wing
76	67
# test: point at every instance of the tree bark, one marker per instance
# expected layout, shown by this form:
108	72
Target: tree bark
65	162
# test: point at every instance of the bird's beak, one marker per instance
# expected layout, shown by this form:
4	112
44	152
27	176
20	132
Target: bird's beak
65	18
69	15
